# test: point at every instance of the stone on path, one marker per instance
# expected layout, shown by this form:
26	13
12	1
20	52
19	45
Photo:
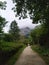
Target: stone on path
29	57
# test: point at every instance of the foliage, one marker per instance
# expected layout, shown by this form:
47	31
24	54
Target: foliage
38	10
43	52
14	58
2	23
8	50
2	20
39	35
14	30
8	37
35	34
3	5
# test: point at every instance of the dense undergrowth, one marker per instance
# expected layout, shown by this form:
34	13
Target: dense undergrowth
43	52
8	49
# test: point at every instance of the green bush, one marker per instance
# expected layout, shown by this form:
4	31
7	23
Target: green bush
43	52
8	50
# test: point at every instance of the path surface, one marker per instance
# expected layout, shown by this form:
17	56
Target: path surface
29	57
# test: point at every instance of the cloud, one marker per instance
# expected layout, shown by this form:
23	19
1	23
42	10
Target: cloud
2	0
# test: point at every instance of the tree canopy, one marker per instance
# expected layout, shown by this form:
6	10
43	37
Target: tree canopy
38	9
14	30
2	5
2	20
2	23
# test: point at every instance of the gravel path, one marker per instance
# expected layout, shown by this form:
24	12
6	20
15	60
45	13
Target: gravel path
29	57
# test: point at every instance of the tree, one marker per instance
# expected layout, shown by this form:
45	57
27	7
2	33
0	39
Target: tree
2	20
7	37
38	12
14	30
39	35
2	23
38	9
3	5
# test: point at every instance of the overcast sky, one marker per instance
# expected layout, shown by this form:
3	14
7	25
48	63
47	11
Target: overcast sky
9	15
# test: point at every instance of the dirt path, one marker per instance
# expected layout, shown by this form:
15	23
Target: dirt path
29	57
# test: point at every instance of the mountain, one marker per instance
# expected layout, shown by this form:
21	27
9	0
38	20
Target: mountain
25	31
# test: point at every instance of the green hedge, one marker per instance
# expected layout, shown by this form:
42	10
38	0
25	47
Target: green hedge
43	52
8	51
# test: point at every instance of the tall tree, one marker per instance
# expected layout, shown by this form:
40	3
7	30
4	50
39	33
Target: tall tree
38	9
14	30
2	20
2	23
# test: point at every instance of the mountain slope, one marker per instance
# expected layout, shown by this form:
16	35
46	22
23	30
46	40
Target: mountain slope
25	31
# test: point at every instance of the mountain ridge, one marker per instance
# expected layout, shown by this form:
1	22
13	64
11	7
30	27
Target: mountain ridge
25	31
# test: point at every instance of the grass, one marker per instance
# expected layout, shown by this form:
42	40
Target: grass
43	52
9	50
13	59
8	46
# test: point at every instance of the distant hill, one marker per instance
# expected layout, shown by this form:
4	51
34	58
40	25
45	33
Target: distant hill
25	31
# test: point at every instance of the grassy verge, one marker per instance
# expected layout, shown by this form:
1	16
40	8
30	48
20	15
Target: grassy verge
43	52
9	50
14	58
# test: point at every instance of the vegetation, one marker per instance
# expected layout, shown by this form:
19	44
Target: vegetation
43	52
40	42
2	21
3	5
39	12
39	36
9	50
2	24
9	46
14	31
14	58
